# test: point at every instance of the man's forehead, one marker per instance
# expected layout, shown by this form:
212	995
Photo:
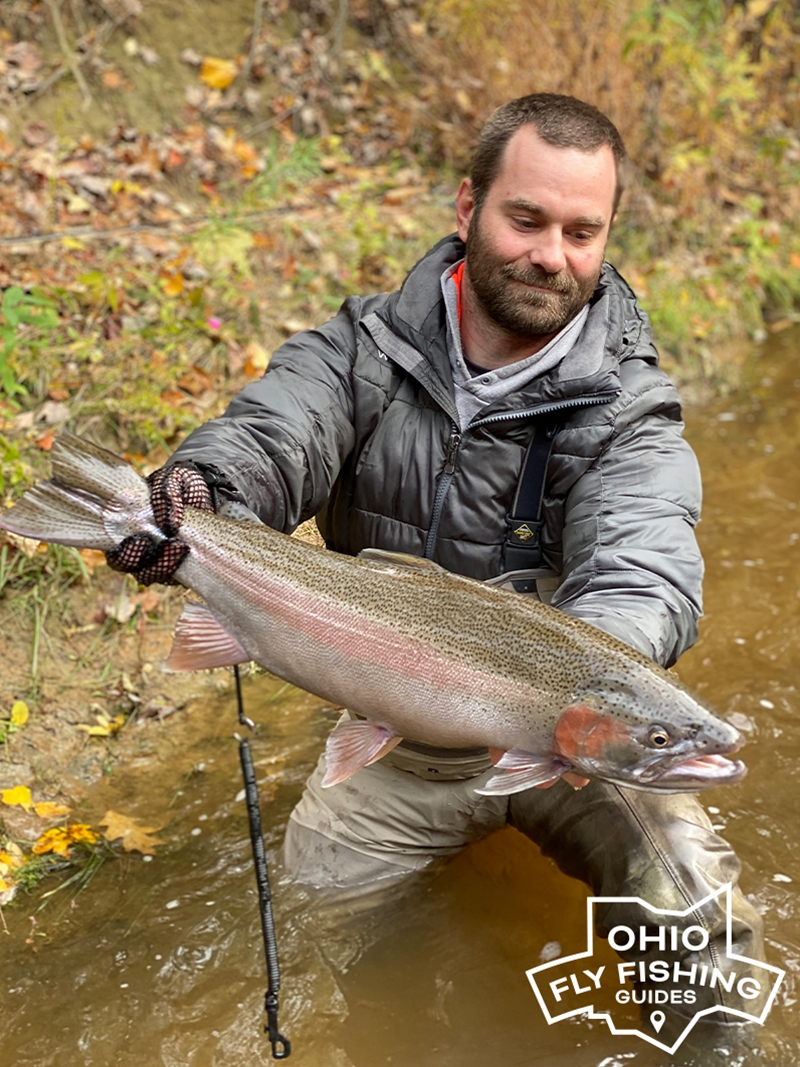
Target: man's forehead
529	161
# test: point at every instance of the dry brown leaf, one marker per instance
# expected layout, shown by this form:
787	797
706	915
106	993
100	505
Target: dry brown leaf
111	79
135	838
92	557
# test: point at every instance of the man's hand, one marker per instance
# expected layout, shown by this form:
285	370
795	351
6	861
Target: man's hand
171	491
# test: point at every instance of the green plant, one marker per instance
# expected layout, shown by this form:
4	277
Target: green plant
19	308
11	472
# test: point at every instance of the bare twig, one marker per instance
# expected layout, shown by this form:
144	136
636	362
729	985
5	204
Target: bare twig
248	63
187	225
338	28
260	127
76	8
54	6
120	12
101	36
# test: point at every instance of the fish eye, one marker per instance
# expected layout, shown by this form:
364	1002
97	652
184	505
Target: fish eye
658	737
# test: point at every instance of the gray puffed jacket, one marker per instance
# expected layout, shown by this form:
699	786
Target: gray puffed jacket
355	422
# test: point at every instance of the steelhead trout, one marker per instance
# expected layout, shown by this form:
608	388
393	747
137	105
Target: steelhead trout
411	649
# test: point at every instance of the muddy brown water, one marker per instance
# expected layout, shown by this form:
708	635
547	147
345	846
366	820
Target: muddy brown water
160	962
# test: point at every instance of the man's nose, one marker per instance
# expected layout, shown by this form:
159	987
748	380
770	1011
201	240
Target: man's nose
548	251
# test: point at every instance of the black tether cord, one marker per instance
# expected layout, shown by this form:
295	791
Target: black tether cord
281	1046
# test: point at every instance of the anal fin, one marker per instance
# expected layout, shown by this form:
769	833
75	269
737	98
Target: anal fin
202	642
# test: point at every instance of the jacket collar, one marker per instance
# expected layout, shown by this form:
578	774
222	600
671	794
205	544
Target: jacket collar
410	327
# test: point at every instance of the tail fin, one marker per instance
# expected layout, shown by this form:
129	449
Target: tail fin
79	464
93	500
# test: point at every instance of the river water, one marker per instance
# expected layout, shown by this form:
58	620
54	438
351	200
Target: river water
160	961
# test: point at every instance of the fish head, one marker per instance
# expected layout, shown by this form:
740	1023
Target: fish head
674	744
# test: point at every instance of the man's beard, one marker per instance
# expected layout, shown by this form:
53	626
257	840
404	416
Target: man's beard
523	312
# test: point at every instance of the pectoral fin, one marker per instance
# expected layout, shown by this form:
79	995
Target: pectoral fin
202	642
523	770
354	745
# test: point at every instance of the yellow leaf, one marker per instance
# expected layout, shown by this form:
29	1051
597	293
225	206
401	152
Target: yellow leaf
92	557
217	73
19	713
756	9
48	809
13	854
257	358
60	838
134	837
19	796
56	840
173	285
105	726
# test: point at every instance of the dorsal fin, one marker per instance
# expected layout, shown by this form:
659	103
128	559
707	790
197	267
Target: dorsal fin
400	559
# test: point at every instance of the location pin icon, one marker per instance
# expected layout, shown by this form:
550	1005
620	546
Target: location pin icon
657	1018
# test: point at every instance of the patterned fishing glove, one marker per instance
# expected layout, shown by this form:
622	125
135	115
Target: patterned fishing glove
171	490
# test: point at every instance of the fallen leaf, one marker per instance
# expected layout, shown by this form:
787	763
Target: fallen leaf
29	546
135	838
105	727
173	284
59	838
257	358
12	855
217	73
92	557
49	809
122	610
78	205
19	796
20	713
195	381
45	442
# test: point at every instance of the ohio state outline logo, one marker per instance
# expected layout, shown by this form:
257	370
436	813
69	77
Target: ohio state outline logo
570	985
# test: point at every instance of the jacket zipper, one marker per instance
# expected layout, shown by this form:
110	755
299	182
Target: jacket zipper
454	444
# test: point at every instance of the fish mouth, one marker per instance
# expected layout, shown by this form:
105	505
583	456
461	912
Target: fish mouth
699	772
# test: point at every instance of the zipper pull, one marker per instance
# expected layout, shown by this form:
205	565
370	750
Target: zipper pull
452	452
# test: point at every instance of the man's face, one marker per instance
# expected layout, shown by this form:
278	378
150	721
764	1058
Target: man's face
535	248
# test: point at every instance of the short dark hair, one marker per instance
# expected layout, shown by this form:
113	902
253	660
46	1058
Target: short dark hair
559	120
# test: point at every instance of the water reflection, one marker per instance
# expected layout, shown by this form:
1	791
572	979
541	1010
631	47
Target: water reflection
161	962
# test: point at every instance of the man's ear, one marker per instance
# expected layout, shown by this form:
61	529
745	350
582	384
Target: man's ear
465	208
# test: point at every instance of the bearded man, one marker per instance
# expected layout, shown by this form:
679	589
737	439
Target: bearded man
502	414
